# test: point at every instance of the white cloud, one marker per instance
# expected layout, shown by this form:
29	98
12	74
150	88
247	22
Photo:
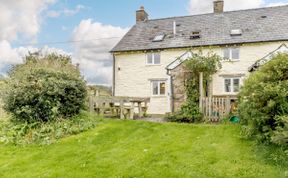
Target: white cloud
206	6
65	12
200	6
21	18
8	54
53	14
11	56
70	12
93	55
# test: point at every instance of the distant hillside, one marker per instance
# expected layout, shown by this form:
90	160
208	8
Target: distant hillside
100	89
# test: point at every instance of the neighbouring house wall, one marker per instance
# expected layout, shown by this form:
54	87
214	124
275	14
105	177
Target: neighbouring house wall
133	77
249	54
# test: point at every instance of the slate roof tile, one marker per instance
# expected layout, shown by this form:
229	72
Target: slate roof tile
215	29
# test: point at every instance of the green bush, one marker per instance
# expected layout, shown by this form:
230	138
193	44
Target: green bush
263	102
23	133
44	88
189	113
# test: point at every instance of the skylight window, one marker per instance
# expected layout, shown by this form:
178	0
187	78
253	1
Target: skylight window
236	32
195	35
158	38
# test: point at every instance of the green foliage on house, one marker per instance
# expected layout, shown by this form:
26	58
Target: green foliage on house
198	63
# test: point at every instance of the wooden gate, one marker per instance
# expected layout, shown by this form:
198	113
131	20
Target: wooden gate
216	108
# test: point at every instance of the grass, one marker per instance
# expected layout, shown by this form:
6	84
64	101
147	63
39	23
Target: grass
140	149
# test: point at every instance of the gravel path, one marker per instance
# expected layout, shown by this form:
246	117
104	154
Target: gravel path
160	120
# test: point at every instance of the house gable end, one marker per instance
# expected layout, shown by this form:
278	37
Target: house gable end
179	60
281	49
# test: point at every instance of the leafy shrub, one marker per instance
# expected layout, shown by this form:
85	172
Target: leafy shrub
23	133
44	88
189	113
263	102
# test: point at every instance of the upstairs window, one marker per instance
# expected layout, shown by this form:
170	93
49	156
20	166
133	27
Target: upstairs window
195	35
231	85
153	58
158	88
231	53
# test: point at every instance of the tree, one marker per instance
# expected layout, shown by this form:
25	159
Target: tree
44	88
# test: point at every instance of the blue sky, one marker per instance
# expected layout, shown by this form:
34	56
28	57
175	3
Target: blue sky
28	25
116	13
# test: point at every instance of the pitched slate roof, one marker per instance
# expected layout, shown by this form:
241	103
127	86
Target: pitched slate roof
257	25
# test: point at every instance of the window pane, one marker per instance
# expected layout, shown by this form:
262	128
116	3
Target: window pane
236	84
226	53
227	85
162	88
235	53
149	58
155	88
156	58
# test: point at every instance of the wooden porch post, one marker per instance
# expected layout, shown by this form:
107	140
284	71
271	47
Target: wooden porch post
201	90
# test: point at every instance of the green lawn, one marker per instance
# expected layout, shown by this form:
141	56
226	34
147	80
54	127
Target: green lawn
141	149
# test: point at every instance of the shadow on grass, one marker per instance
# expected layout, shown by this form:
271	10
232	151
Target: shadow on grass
272	154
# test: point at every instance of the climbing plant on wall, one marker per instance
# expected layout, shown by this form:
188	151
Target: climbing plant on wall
208	65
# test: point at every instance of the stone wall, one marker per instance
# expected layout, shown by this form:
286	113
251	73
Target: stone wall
178	87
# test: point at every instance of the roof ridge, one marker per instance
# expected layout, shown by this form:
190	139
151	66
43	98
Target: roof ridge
225	12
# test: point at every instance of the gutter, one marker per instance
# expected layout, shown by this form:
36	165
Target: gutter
198	46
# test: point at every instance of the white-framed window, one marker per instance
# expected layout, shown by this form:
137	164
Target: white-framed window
153	58
158	87
231	53
231	85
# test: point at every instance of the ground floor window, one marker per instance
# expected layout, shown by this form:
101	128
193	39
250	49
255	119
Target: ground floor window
158	88
231	85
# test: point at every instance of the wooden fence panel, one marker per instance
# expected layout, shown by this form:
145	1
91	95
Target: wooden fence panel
215	108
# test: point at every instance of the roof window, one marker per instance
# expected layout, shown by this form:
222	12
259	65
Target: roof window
195	35
158	38
236	32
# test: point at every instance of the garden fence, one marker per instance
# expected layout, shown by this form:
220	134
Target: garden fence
216	108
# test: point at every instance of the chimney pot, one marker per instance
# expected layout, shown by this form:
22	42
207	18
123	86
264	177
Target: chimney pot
218	6
141	15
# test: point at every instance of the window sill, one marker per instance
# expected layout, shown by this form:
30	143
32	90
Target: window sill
231	60
150	65
158	96
231	93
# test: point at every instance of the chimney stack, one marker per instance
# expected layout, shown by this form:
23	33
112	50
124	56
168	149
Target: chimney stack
218	6
141	15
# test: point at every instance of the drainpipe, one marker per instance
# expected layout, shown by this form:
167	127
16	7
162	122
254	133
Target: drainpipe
171	93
